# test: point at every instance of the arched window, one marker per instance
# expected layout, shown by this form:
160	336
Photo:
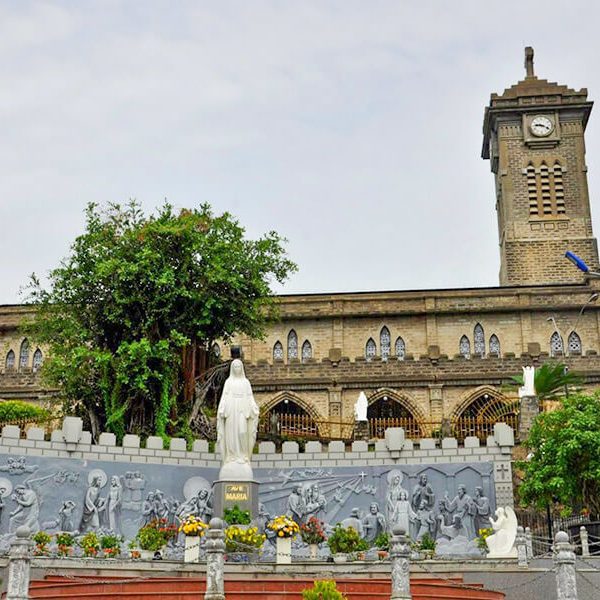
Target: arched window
479	340
10	361
292	345
494	345
574	343
38	359
464	347
278	351
370	349
24	354
556	344
400	348
306	350
385	342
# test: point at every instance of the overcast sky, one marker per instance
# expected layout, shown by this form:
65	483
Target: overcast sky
351	127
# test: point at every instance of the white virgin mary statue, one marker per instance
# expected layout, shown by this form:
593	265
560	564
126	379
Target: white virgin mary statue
237	424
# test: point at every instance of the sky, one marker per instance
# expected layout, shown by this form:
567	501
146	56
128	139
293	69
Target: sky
353	128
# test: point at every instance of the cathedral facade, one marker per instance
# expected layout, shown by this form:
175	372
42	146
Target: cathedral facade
431	360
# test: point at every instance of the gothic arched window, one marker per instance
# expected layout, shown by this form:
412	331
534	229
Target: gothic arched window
306	350
216	350
479	341
10	361
400	348
292	345
464	347
385	343
24	354
556	344
38	359
370	349
494	345
278	351
574	343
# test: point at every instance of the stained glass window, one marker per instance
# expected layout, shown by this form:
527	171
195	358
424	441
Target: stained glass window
494	345
400	348
370	349
10	360
306	350
556	344
278	351
464	347
574	343
38	359
292	345
385	341
479	340
24	355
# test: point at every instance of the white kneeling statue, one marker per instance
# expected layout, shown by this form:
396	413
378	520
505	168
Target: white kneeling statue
237	424
501	543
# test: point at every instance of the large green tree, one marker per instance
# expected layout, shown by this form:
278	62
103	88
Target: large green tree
135	293
563	465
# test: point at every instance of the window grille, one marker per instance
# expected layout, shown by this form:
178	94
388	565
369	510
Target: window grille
400	349
556	344
574	343
306	350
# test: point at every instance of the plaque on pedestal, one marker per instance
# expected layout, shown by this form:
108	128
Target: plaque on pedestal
243	494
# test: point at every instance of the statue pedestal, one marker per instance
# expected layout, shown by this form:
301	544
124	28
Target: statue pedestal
227	494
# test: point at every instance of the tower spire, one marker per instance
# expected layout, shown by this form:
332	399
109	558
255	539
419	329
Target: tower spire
529	62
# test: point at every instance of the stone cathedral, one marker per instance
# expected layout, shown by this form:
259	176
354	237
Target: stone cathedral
433	360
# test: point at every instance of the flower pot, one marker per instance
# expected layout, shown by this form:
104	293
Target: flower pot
192	549
314	551
284	550
340	558
382	554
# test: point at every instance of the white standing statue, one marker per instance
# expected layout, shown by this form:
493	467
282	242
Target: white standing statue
360	408
237	424
501	543
528	388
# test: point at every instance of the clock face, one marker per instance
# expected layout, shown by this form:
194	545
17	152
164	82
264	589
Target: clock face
541	126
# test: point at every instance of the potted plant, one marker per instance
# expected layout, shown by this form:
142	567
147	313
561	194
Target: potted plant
242	541
111	545
90	544
313	534
345	541
134	551
193	528
64	543
236	516
323	590
285	530
427	546
41	539
151	538
382	543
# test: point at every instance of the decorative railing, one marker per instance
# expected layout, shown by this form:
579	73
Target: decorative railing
305	427
412	430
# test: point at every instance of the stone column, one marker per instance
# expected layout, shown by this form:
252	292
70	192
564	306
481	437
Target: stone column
529	543
564	560
529	409
400	554
19	559
215	563
585	542
521	546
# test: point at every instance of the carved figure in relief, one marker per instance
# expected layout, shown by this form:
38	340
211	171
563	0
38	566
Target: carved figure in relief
237	425
422	491
28	509
403	514
114	503
373	523
315	502
18	466
424	520
395	490
355	522
93	506
149	509
205	505
65	516
501	542
296	505
463	506
483	510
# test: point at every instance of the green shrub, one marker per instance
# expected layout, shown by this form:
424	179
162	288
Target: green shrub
323	590
345	540
15	410
236	516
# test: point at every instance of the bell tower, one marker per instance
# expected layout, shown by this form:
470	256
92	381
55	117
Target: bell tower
533	136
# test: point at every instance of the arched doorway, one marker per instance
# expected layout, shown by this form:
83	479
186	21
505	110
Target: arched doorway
386	409
481	411
286	417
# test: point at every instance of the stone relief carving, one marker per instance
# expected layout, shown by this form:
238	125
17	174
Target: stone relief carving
373	523
18	466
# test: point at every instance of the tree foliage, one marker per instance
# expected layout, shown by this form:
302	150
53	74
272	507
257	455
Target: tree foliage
563	466
551	380
134	293
15	410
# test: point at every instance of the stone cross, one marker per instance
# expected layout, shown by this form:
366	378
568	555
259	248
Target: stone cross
19	563
502	470
215	564
529	62
521	546
585	542
400	554
564	560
